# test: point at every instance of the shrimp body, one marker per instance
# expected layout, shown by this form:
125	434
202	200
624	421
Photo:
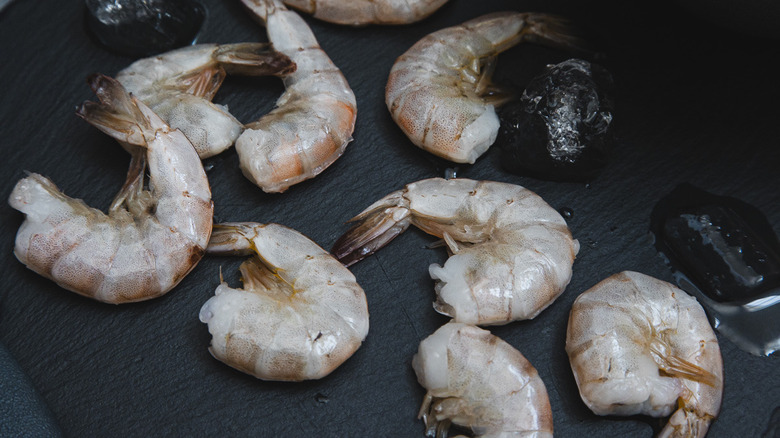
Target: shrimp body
474	379
511	253
313	120
364	12
439	92
129	254
638	345
300	314
179	85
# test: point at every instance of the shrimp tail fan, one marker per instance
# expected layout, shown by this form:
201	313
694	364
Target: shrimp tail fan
374	228
254	59
555	31
117	113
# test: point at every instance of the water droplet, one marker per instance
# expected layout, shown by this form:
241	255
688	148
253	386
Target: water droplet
208	166
321	398
566	212
450	173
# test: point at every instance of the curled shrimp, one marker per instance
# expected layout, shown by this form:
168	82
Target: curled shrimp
364	12
511	253
149	240
439	91
179	85
474	379
314	118
301	313
638	345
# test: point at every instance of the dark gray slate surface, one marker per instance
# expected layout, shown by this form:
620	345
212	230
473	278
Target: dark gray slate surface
695	103
22	409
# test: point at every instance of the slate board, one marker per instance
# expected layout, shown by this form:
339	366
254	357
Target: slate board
695	103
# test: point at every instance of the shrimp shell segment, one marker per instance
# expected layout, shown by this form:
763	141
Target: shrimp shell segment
639	345
300	315
474	379
365	12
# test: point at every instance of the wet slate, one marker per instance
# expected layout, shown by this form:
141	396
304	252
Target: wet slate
724	245
694	106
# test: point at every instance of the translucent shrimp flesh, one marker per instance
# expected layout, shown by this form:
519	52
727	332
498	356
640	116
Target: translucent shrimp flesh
179	86
476	380
149	240
511	253
639	345
313	120
301	313
365	12
439	91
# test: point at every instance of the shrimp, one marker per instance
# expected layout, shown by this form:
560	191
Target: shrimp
511	253
475	379
149	240
313	120
301	313
439	91
179	85
364	12
638	345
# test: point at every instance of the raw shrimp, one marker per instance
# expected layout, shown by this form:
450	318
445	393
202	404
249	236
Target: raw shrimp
314	118
474	379
301	313
149	240
639	345
439	91
511	253
180	84
364	12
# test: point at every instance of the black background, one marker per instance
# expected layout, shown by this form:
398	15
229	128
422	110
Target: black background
696	102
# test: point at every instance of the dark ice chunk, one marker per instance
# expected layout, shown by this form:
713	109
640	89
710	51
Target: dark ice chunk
144	27
726	247
560	128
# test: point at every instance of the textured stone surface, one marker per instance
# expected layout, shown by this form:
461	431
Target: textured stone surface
22	409
691	106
